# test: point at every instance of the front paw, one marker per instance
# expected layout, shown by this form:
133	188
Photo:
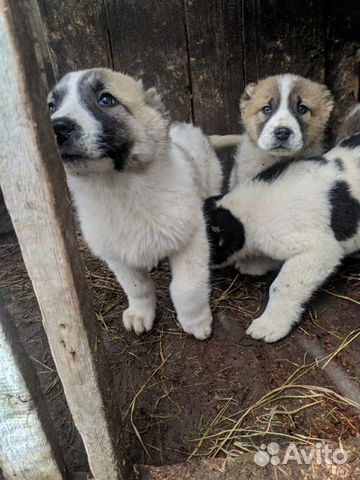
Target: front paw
199	326
139	320
268	328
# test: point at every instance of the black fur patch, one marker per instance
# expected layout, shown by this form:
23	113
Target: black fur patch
273	173
351	142
114	140
345	211
340	164
226	234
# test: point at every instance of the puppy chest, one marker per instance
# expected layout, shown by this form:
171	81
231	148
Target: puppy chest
134	238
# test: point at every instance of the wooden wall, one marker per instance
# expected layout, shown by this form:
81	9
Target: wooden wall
201	53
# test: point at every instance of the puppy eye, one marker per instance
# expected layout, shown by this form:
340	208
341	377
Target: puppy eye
51	107
267	109
107	100
302	109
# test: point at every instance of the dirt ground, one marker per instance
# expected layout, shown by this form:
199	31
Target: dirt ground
228	395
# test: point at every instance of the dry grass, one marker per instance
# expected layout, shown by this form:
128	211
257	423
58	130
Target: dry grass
246	428
273	415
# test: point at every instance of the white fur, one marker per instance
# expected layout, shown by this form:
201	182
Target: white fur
134	218
288	220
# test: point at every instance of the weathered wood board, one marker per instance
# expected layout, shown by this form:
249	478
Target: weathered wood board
33	183
28	448
201	53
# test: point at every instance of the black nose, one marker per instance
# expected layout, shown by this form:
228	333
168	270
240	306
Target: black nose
63	128
282	133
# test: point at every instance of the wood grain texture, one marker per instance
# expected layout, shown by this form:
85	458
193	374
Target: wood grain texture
28	448
283	36
76	31
343	55
33	183
148	40
214	32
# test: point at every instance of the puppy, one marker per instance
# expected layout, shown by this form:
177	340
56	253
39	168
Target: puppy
304	213
284	117
138	186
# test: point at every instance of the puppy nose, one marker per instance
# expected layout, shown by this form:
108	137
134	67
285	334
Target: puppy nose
282	133
63	128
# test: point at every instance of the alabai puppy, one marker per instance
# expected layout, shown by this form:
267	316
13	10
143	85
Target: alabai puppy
138	184
303	214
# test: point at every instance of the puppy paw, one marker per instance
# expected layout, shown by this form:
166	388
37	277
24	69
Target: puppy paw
199	327
139	320
268	329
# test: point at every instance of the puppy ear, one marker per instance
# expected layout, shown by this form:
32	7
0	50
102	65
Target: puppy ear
153	99
247	94
249	91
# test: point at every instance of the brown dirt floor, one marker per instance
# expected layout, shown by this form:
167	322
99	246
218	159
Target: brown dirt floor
188	395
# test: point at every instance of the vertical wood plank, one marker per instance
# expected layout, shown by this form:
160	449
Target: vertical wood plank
284	36
28	448
33	184
77	34
148	40
343	54
214	31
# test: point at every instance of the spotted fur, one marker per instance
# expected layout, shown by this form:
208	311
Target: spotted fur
304	221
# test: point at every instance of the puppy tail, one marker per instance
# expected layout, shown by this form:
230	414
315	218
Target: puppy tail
223	141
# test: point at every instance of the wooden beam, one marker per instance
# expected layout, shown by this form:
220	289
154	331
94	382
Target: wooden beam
28	448
33	184
148	40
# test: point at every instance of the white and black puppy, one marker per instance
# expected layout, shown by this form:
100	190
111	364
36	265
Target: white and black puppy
138	186
284	117
305	214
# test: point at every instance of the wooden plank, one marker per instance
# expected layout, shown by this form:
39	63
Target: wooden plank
148	40
216	59
343	55
28	448
76	31
33	183
283	36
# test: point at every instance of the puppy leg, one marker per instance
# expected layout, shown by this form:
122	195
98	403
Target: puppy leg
139	288
298	279
257	266
190	286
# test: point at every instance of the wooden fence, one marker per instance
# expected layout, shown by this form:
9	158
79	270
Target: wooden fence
200	54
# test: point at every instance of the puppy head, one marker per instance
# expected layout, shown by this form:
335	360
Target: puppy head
104	120
286	114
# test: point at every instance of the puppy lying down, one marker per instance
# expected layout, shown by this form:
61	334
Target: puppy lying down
138	185
303	213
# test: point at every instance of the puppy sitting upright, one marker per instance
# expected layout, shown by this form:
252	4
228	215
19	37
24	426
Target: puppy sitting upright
138	187
284	116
